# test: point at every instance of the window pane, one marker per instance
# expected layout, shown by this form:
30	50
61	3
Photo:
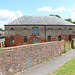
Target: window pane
49	38
35	31
59	38
12	40
25	39
25	28
12	29
70	38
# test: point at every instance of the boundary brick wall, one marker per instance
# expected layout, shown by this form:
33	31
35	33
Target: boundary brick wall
18	58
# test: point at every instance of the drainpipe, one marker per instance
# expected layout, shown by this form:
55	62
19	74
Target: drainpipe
45	33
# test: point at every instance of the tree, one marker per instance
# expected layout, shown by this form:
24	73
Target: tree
52	15
69	20
55	15
58	16
1	29
73	22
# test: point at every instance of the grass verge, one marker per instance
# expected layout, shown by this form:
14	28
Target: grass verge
67	69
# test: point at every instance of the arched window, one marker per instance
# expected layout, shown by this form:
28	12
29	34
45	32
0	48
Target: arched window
59	29
12	29
25	39
70	38
70	29
35	40
59	38
12	39
49	38
50	28
25	28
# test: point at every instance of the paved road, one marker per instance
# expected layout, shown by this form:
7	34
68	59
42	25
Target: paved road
50	66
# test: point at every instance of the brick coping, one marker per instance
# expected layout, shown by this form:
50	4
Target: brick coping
28	45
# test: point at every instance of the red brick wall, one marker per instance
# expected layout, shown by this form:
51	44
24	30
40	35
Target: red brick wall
19	39
15	59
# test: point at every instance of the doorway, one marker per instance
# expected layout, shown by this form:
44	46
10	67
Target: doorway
35	40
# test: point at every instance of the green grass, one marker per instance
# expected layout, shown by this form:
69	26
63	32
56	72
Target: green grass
67	50
45	61
67	69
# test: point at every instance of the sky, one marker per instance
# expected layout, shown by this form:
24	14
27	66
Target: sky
12	9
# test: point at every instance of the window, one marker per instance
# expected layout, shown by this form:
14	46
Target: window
59	29
50	28
59	38
12	29
12	39
70	38
70	29
49	38
35	31
25	28
25	39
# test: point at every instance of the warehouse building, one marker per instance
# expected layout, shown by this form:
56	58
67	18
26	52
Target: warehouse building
29	29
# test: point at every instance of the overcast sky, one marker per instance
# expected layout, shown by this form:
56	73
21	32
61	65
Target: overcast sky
12	9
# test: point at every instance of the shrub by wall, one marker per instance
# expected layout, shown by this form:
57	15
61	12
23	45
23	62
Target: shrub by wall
15	59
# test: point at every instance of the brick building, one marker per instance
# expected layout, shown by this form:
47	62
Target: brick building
34	29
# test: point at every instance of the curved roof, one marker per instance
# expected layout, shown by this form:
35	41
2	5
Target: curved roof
39	20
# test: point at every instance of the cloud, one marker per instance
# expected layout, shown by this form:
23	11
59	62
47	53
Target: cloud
73	14
46	8
73	4
59	9
7	16
72	11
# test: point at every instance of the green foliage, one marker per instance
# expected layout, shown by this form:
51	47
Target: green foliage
55	15
52	15
1	29
72	44
67	69
58	16
64	51
73	22
67	46
67	49
60	54
70	20
45	61
49	74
